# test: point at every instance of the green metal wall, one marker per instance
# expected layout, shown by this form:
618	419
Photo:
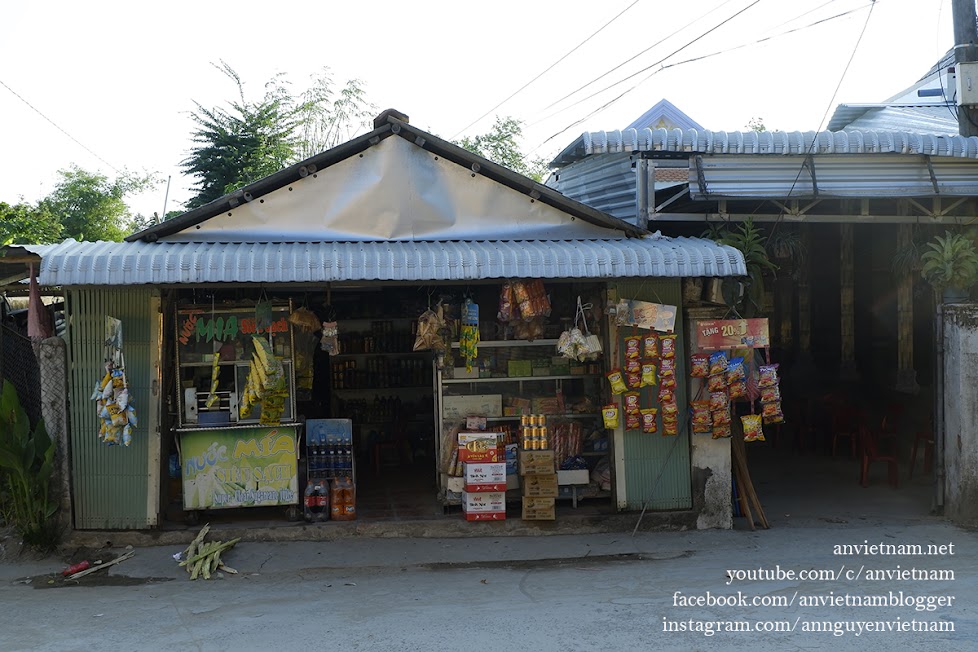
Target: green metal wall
110	483
657	467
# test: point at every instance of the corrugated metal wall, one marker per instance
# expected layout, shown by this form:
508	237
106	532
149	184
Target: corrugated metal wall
111	484
604	182
657	468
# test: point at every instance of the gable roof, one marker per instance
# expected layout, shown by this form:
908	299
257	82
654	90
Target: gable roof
664	115
396	182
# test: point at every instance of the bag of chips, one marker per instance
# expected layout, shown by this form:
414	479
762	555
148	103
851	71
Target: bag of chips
617	382
769	376
721	431
667	367
506	303
717	383
702	423
736	371
633	347
670	426
738	389
667	344
649	421
650	346
633	373
719	401
633	421
752	427
772	412
632	403
699	365
610	415
666	395
720	417
648	374
770	394
669	382
718	363
669	409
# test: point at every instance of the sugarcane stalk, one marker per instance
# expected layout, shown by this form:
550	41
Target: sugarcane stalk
210	548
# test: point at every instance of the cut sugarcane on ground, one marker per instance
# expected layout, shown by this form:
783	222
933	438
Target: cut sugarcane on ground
203	558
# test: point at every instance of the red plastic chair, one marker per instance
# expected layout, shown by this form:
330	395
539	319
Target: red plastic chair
869	447
846	422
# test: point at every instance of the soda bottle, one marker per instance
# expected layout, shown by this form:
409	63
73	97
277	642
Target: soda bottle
322	499
309	502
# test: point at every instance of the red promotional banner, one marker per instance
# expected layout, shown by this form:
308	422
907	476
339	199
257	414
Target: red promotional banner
717	334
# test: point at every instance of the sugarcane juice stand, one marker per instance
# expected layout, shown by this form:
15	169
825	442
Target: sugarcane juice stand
237	436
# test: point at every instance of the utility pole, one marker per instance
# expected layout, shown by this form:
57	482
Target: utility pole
965	51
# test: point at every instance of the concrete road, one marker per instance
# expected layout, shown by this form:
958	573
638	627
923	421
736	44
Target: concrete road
586	592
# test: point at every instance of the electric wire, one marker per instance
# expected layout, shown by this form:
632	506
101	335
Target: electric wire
57	126
549	68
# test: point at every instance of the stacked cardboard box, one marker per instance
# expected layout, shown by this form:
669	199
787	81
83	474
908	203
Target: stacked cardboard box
539	484
484	476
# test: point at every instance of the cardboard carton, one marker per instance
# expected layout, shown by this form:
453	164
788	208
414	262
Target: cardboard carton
539	509
479	447
483	477
543	486
536	462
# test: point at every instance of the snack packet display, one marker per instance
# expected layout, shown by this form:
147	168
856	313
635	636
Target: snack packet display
752	427
617	381
738	389
609	413
670	426
717	383
633	421
702	423
721	431
736	371
506	303
699	366
669	409
632	403
666	395
667	367
633	347
667	345
770	394
649	421
718	363
721	417
669	382
769	376
633	373
650	346
719	401
648	374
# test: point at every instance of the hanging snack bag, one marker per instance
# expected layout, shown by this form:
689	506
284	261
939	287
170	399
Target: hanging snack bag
617	382
650	346
669	382
667	367
670	426
632	403
633	421
699	365
721	431
666	395
648	374
649	422
735	371
769	375
610	415
719	401
752	427
506	303
772	412
717	383
667	343
718	363
701	416
633	373
738	389
633	347
669	409
770	394
721	417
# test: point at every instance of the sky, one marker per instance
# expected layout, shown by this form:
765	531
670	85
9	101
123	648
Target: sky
110	85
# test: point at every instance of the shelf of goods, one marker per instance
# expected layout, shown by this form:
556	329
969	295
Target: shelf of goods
511	378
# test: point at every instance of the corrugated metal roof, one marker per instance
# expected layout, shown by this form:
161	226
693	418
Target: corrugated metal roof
766	142
905	118
133	263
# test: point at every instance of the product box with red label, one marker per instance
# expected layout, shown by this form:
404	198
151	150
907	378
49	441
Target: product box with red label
485	506
479	447
485	476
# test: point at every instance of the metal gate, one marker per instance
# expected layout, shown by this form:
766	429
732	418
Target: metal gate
656	468
114	487
19	367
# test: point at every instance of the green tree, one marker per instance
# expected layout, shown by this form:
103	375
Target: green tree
91	207
26	224
756	124
249	140
501	145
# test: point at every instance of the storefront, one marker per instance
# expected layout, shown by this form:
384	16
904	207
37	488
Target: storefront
254	324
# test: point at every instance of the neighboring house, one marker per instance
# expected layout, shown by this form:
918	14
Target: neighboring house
882	180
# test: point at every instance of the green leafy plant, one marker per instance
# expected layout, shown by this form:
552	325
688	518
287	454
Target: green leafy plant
750	240
950	262
26	465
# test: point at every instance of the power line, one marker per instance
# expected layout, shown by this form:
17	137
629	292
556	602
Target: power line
549	68
56	126
677	51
